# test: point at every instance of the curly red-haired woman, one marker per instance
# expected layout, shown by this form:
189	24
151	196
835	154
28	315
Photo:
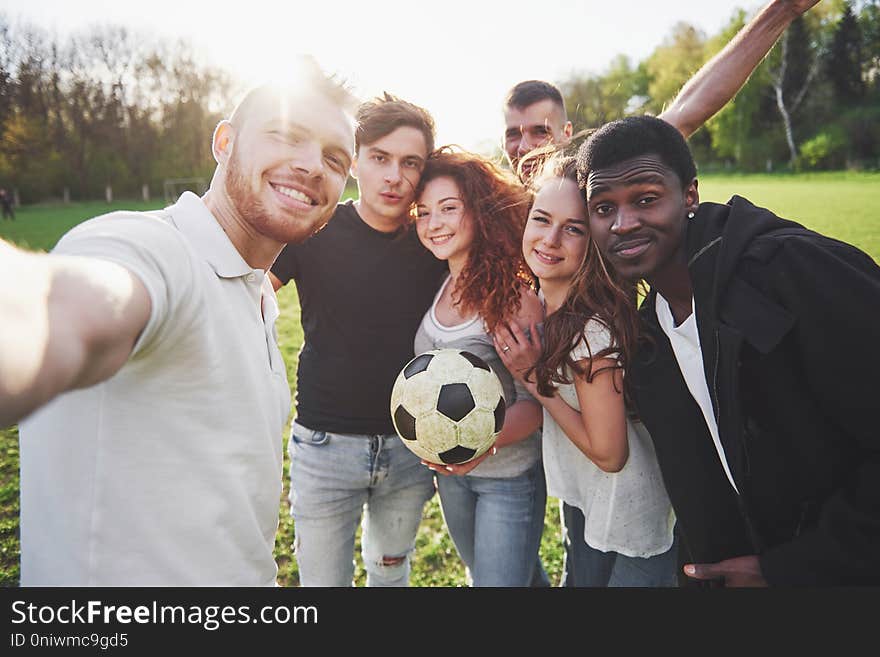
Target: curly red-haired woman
471	213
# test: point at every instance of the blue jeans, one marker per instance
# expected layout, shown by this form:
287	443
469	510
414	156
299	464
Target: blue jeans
496	524
337	478
586	566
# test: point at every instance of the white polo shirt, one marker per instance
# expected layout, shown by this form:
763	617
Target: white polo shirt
169	472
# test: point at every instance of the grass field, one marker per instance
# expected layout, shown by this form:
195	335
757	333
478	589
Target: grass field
839	204
842	205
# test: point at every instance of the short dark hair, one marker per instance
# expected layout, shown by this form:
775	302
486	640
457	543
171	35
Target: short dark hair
530	92
631	137
313	78
384	114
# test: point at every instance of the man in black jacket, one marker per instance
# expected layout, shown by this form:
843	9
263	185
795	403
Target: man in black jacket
756	381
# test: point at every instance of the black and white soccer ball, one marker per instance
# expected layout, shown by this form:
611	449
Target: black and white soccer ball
447	406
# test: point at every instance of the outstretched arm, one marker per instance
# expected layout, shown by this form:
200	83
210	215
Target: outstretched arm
719	79
68	322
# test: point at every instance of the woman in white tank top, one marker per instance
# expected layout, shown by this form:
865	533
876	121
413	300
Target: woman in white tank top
600	462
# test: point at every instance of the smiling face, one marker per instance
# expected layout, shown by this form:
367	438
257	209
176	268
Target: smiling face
555	239
286	162
388	172
444	225
637	213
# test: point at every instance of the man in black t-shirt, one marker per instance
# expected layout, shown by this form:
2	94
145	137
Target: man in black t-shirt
364	284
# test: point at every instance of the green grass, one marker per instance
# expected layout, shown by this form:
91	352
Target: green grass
9	545
39	226
842	205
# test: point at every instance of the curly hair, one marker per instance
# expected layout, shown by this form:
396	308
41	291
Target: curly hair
493	277
597	293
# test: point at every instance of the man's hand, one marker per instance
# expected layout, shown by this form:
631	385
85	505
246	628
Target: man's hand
739	571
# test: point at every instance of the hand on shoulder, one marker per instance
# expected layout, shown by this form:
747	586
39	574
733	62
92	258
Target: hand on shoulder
531	309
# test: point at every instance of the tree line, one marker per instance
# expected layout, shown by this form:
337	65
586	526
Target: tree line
105	106
814	103
108	106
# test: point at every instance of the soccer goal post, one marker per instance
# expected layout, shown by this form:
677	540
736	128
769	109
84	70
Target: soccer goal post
174	187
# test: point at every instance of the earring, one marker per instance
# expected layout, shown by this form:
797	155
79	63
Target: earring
691	214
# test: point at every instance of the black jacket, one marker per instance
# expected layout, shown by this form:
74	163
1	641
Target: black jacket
788	322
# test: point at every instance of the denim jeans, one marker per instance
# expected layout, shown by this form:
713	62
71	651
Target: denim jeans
335	480
496	524
586	566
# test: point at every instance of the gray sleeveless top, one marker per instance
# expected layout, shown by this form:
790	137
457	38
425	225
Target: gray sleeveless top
471	336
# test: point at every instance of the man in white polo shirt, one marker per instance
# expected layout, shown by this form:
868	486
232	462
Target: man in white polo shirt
144	350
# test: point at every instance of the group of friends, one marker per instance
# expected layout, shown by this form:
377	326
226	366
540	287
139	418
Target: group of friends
712	435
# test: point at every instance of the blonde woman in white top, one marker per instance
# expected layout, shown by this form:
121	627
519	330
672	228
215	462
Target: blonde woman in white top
600	463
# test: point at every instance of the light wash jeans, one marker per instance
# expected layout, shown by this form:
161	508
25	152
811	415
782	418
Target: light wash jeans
586	566
334	479
496	524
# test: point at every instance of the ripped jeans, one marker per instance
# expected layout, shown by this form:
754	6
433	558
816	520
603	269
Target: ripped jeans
335	479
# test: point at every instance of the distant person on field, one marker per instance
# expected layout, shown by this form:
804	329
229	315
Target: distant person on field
142	353
535	117
757	380
6	204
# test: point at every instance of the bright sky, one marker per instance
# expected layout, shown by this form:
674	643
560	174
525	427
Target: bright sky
457	58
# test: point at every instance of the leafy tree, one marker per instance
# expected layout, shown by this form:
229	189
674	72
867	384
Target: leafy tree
844	60
7	83
869	26
106	107
595	100
672	64
790	79
733	131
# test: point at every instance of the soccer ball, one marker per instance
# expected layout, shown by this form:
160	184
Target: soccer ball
448	406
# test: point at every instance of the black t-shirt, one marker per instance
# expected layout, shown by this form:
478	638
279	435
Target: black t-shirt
363	294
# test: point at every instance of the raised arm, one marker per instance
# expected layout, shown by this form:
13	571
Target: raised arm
719	79
67	322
